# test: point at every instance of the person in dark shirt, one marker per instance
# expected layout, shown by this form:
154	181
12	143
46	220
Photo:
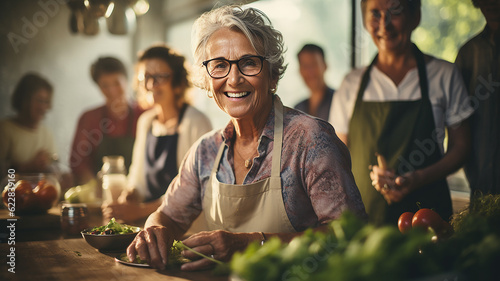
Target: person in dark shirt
479	62
312	69
108	129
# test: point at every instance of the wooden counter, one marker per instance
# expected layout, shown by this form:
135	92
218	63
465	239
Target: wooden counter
74	259
42	252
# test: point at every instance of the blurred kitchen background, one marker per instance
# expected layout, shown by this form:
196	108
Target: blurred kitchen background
56	39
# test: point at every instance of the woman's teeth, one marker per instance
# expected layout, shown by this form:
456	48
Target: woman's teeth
237	95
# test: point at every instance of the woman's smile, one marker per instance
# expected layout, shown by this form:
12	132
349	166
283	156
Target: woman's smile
237	95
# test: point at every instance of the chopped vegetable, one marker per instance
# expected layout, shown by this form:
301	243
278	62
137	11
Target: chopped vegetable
124	257
113	228
178	246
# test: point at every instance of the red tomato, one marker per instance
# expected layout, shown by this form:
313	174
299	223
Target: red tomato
46	193
405	222
27	203
23	187
425	218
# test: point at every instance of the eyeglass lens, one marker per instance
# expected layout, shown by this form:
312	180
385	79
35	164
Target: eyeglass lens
157	78
249	66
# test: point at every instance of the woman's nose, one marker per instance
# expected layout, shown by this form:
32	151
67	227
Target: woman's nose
234	77
385	20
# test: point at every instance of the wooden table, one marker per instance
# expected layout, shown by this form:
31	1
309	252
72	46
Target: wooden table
42	252
74	259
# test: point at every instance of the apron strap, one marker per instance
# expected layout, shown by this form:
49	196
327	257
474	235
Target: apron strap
364	82
278	138
422	72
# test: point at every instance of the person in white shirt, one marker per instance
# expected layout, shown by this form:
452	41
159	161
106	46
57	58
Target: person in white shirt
399	107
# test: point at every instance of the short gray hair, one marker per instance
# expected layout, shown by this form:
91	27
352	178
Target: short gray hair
253	23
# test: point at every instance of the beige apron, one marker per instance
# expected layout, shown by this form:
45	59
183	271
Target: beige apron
252	207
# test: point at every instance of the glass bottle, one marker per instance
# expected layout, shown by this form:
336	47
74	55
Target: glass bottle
114	178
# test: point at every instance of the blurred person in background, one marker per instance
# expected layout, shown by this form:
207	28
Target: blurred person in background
312	69
400	106
26	145
479	62
108	129
164	134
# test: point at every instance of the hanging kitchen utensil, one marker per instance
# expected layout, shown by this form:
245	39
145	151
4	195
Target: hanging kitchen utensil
98	8
76	17
122	20
73	23
90	23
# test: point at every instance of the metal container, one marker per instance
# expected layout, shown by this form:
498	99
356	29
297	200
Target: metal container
74	218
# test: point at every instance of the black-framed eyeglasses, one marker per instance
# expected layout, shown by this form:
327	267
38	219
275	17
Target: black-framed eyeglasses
157	78
247	65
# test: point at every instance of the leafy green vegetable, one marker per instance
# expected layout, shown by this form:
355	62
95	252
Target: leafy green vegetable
354	251
486	207
113	227
124	257
349	250
178	246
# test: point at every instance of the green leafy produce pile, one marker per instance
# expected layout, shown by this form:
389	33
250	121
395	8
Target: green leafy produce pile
353	250
113	227
474	249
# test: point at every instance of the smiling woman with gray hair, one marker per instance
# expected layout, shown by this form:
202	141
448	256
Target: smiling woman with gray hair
272	171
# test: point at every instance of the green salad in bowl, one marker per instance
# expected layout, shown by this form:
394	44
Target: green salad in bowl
113	236
114	227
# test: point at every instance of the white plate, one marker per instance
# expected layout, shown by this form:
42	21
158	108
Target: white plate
118	259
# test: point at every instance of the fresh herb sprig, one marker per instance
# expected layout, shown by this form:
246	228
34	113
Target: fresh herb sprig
179	245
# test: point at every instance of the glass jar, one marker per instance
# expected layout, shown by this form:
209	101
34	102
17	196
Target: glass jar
114	178
74	218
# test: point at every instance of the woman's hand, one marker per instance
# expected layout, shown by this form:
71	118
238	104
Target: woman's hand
393	188
152	245
39	163
221	244
383	181
127	211
128	195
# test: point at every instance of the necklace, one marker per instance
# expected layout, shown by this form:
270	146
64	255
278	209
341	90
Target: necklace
248	162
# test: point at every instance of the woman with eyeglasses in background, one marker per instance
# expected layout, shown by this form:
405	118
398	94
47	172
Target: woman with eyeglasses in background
164	133
272	171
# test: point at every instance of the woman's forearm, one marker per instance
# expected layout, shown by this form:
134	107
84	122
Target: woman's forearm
457	153
150	207
158	218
